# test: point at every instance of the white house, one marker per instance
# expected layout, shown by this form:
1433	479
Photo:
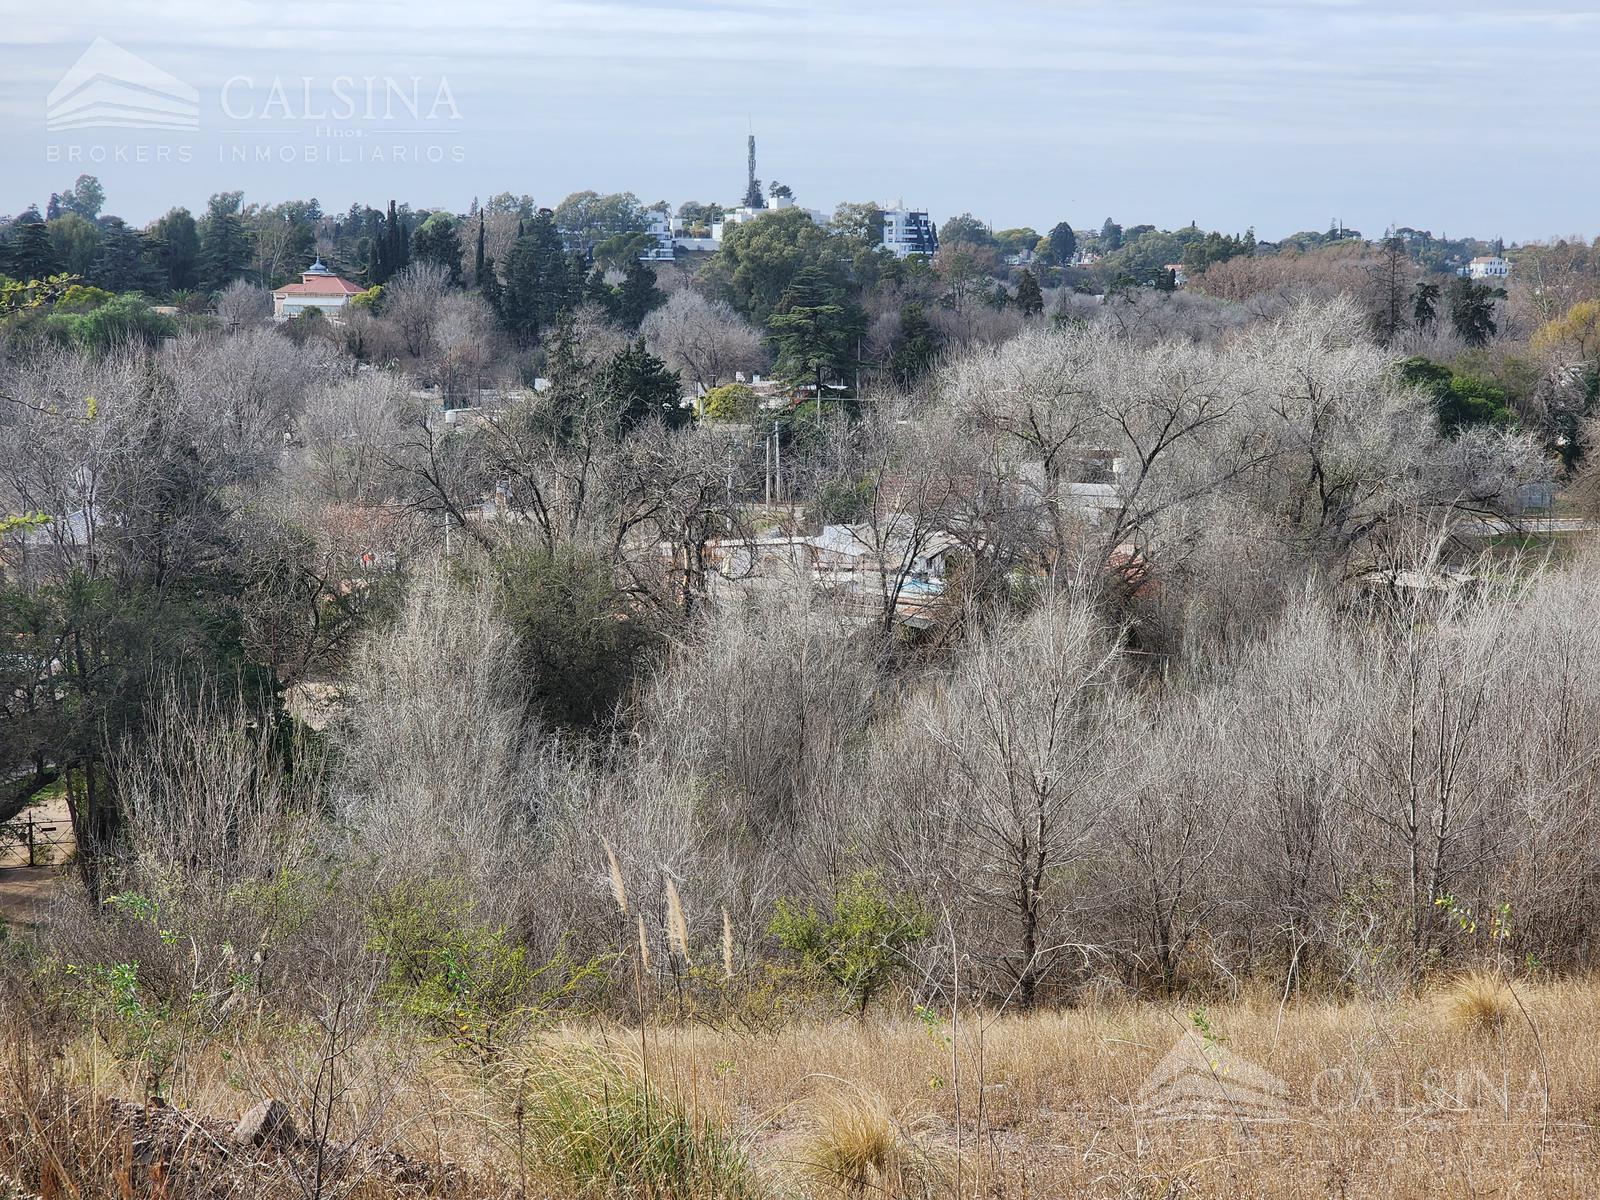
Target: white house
1493	266
319	288
664	247
908	231
743	215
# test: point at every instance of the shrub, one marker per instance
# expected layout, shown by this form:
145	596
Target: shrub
445	970
580	643
861	944
730	402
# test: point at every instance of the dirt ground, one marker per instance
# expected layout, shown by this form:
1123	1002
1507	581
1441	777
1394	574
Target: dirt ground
25	890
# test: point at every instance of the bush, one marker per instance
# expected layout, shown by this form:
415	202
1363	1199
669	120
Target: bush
580	643
862	944
730	402
456	976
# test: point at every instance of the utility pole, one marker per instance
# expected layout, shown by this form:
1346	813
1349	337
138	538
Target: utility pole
777	461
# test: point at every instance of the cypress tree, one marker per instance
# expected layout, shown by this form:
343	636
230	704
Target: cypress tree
1029	298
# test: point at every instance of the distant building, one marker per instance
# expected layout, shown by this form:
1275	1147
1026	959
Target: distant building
908	231
1493	266
746	214
319	288
663	247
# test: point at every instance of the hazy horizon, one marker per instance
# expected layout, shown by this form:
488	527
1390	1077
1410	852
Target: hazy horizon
1276	116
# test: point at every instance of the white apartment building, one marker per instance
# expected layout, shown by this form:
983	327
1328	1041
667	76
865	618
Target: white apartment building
908	231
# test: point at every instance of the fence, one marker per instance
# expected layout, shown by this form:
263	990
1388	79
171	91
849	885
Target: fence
31	841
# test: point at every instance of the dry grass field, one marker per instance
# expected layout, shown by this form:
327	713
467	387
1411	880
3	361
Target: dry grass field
1470	1090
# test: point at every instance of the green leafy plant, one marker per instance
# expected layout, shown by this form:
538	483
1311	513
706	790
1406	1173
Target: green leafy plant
448	971
861	944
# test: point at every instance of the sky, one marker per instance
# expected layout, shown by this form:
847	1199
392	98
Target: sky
1463	118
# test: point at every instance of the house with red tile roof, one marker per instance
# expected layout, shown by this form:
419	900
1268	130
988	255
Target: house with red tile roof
318	288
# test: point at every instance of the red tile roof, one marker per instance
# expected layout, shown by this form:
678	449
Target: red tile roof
320	285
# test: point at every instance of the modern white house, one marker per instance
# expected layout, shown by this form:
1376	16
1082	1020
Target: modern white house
664	246
908	231
319	288
1493	266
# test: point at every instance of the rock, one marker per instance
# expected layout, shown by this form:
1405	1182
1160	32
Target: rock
268	1121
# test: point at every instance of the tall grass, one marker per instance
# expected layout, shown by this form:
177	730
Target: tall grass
857	1145
584	1116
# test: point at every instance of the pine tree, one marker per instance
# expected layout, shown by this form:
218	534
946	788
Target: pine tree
539	283
598	292
28	253
477	257
224	244
639	386
638	295
918	347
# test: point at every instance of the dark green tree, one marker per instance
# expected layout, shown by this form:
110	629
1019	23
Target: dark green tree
224	244
637	386
1029	298
437	240
1458	400
638	296
1110	237
918	346
172	247
539	282
1063	245
120	264
581	644
816	331
28	252
1472	312
1425	305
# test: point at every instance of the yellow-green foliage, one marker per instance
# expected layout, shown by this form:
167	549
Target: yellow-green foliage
730	402
446	969
861	943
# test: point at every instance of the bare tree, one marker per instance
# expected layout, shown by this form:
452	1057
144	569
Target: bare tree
1024	730
704	339
242	304
411	303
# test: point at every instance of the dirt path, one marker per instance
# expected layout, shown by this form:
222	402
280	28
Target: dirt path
25	893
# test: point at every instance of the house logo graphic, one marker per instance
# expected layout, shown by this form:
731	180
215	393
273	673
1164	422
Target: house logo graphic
110	88
1199	1080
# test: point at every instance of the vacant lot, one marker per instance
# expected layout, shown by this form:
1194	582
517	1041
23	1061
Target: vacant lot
1468	1091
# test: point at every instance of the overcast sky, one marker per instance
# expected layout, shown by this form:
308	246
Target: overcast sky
1468	117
